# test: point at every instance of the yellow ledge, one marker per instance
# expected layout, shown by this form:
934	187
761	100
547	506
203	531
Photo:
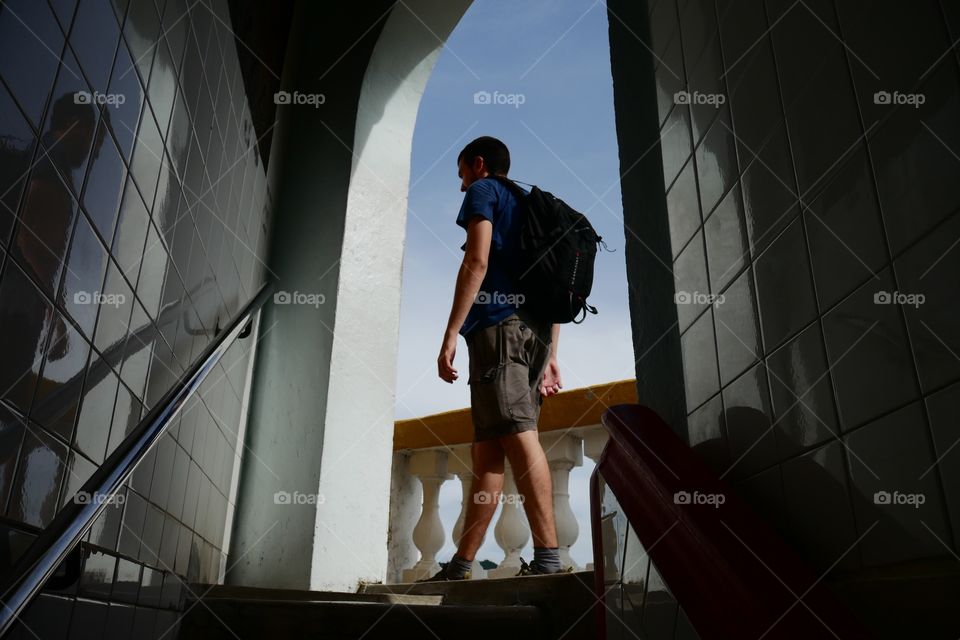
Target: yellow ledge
575	408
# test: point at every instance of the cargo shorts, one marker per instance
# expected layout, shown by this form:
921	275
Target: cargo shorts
507	364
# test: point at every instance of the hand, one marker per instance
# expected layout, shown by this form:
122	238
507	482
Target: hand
448	352
551	384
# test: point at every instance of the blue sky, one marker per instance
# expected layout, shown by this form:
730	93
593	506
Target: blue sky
548	63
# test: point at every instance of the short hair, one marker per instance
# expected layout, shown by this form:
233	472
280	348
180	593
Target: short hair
494	153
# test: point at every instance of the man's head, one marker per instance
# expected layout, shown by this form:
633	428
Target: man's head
484	156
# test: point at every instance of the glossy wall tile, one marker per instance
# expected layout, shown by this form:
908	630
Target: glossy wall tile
126	160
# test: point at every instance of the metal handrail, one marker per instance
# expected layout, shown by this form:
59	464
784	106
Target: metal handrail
64	532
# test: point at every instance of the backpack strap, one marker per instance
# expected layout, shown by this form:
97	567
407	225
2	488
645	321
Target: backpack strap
511	184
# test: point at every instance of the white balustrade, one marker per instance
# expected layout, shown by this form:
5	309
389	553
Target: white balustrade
564	450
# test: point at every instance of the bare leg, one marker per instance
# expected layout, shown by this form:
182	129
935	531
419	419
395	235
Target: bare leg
530	469
485	495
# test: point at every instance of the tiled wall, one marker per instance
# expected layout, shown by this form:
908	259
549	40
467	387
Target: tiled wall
800	197
150	193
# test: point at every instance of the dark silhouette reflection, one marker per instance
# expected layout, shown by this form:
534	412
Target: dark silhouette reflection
40	248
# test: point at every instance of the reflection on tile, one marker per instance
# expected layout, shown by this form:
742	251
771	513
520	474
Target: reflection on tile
716	161
868	354
70	126
96	411
914	155
843	226
97	577
15	155
747	418
930	269
707	436
785	287
738	335
699	361
803	403
39	474
769	189
94	38
683	207
83	277
125	114
727	242
23	317
147	156
675	142
58	394
28	31
127	586
134	512
114	319
692	288
131	232
11	435
104	186
889	463
78	471
106	528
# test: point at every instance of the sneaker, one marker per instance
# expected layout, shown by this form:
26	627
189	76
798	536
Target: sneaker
530	570
442	575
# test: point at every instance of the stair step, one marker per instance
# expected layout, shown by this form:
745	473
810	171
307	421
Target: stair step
220	592
566	599
243	619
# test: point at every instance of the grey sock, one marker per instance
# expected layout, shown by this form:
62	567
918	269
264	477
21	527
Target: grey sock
458	567
547	559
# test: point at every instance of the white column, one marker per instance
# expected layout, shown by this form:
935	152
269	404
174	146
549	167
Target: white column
594	440
431	467
460	463
512	530
564	451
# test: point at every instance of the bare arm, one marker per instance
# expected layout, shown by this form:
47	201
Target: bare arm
469	279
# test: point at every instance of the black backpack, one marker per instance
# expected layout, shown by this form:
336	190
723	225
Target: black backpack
558	246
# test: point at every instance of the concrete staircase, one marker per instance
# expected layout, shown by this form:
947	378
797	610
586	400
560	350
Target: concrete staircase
528	608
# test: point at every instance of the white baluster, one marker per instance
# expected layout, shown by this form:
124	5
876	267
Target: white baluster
564	452
594	440
431	467
512	530
460	463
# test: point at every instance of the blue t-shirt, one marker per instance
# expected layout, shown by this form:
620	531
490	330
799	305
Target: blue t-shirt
499	295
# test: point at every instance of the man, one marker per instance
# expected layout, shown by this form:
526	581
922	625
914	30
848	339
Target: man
513	362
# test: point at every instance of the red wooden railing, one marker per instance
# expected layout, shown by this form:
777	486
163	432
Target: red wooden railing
732	574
